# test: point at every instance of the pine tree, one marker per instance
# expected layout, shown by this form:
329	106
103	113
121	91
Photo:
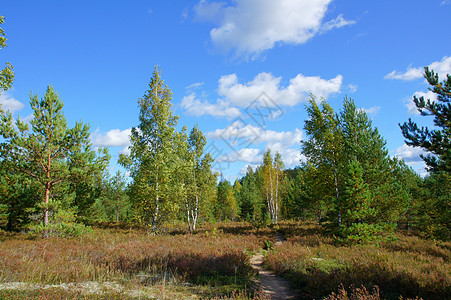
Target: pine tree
47	153
226	206
7	74
152	156
348	163
436	141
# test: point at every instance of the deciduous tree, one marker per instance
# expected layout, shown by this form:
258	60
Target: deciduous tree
152	159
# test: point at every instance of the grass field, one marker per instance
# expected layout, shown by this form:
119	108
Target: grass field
214	263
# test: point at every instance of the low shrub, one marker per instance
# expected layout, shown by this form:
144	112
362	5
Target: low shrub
409	267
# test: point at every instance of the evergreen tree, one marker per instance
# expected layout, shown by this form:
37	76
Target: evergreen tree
436	141
46	153
152	158
7	73
251	205
226	207
348	163
113	203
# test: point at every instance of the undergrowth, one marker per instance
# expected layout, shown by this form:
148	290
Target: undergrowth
407	266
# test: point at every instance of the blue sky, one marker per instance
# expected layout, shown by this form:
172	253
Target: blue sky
225	62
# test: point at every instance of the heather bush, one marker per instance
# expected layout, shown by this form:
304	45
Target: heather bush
408	267
134	258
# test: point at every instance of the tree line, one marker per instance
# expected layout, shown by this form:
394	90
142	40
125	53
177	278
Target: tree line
53	182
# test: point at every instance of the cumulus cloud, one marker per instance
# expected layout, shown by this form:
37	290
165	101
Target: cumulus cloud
264	90
113	138
242	139
411	155
291	157
7	102
441	67
252	26
410	74
298	90
198	108
411	108
239	133
249	155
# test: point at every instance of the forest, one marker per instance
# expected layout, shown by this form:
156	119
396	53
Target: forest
356	222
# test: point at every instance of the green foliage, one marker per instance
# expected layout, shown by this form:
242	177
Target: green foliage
350	176
113	202
56	159
317	266
152	158
252	207
7	74
226	206
431	211
436	141
62	224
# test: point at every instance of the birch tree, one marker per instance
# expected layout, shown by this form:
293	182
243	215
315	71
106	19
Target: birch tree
151	161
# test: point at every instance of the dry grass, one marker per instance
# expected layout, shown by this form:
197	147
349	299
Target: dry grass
214	263
407	267
135	259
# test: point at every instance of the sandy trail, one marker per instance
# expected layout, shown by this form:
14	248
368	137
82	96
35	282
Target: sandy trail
278	288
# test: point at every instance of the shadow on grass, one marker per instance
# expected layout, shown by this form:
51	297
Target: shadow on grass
316	284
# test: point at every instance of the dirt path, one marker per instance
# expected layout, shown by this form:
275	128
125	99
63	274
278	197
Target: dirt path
278	288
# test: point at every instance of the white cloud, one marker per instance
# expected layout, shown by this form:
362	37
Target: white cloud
195	85
7	102
243	170
410	74
352	88
291	157
252	26
238	133
442	67
411	108
411	155
249	155
372	110
209	11
336	23
297	91
113	138
196	107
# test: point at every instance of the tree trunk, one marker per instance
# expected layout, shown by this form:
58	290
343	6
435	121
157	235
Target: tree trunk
117	209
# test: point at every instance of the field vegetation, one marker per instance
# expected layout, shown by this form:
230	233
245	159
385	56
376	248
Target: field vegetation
129	263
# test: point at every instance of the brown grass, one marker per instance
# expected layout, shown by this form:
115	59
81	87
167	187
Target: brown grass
408	267
211	257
